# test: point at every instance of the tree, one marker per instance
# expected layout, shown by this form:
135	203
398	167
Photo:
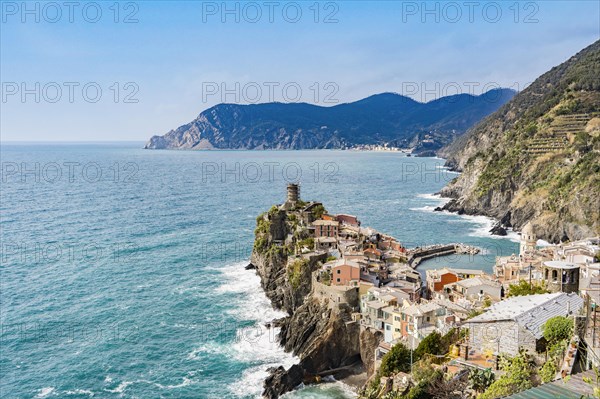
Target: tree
318	211
397	359
431	344
516	379
523	287
557	329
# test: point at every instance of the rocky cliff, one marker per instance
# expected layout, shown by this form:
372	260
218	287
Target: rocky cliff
379	119
317	333
538	157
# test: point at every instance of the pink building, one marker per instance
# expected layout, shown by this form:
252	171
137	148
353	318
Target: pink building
345	272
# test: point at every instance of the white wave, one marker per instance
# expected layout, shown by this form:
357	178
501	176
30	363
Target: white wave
256	344
186	381
335	389
212	348
446	169
253	304
80	392
45	392
485	224
437	199
432	197
121	387
424	209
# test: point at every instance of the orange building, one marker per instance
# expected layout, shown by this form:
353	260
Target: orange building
437	279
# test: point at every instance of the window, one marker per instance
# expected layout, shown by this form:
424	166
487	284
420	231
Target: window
338	271
427	318
338	280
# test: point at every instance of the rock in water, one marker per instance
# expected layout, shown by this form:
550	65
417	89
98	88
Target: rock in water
498	230
505	221
281	381
250	266
438	209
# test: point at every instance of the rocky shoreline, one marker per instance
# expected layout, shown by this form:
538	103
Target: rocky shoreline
315	332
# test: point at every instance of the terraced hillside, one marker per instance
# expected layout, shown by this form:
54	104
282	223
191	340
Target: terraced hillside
538	157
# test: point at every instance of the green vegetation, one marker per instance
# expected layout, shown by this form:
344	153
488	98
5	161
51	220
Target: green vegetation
330	258
557	333
263	226
431	344
594	381
452	337
480	380
548	371
523	287
397	359
430	381
535	150
517	378
558	329
301	204
318	211
295	272
307	242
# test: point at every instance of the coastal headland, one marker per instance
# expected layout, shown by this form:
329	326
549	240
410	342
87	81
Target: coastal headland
316	267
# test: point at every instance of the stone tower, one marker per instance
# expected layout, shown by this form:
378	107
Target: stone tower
293	193
528	240
293	196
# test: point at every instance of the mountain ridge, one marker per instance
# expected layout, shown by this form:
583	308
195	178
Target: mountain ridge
384	118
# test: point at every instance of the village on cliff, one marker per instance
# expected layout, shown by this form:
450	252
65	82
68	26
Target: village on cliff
373	277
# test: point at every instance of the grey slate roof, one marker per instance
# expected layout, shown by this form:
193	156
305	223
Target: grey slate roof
531	311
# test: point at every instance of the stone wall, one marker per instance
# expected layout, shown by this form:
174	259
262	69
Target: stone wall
335	294
507	336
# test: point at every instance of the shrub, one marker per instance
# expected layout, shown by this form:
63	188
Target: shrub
480	380
295	272
523	287
516	379
557	329
548	371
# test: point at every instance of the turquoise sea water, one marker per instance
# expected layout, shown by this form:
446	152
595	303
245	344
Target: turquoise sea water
122	269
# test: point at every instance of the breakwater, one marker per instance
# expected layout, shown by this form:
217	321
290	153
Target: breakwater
419	254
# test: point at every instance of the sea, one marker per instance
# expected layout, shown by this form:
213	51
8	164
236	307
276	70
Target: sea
122	269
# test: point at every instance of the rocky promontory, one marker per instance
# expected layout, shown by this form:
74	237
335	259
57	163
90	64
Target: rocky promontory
322	336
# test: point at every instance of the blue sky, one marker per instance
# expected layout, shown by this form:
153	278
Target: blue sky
168	61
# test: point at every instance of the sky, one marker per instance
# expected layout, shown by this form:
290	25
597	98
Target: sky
95	71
